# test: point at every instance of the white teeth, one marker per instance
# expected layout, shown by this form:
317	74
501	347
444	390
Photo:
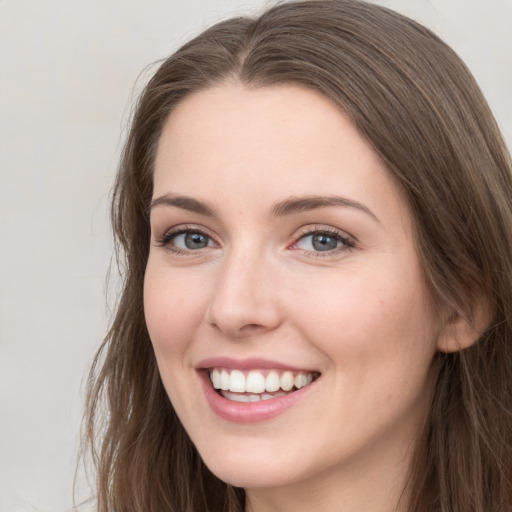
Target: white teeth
247	397
272	382
266	396
224	380
215	376
303	379
287	381
255	383
299	379
236	397
237	381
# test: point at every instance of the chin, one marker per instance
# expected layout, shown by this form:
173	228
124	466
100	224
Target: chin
247	471
250	477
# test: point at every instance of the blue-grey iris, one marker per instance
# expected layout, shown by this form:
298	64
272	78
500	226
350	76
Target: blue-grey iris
196	241
324	242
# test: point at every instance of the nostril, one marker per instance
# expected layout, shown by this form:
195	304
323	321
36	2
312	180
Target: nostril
252	326
244	331
251	329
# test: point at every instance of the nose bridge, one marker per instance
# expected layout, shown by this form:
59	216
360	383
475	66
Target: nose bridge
243	300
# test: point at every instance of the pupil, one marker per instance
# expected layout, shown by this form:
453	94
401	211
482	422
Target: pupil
196	241
324	242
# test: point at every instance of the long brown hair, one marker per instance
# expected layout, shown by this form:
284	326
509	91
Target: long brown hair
414	100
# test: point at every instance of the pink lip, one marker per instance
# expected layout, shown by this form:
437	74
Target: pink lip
247	412
246	364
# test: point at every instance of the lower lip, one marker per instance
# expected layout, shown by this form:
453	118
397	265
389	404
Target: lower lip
250	412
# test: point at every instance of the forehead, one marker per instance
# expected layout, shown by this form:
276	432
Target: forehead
264	120
259	144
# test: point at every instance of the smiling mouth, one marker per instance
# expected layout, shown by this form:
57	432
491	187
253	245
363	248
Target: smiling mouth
257	385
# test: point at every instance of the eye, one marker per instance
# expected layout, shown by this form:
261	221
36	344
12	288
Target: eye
184	240
323	241
191	240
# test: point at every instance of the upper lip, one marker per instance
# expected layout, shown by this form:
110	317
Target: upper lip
248	364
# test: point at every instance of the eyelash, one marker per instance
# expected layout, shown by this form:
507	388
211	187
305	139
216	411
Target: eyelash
348	243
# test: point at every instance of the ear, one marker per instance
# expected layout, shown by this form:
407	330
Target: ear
461	331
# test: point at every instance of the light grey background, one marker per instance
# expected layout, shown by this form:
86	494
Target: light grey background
67	75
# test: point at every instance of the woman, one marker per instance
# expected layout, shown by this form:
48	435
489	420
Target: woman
314	211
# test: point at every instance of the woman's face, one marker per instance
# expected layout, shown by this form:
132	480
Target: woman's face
283	257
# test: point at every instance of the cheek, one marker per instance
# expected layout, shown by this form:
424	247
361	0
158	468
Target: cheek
173	308
376	320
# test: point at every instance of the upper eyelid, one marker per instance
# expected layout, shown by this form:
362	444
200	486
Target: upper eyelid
322	228
184	228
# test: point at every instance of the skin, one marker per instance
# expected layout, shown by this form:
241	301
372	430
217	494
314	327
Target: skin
359	314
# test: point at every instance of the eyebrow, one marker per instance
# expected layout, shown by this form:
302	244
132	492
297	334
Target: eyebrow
306	203
280	209
184	202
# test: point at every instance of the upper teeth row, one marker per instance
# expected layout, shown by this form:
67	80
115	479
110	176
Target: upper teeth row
256	382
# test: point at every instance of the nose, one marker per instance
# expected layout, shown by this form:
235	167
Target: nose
245	297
